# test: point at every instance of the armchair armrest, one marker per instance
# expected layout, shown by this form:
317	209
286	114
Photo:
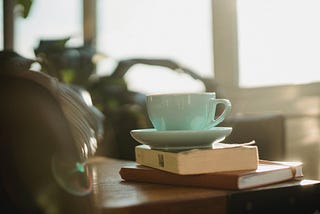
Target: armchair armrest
268	130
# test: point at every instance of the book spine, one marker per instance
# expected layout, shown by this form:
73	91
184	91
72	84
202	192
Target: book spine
160	177
219	160
157	159
199	161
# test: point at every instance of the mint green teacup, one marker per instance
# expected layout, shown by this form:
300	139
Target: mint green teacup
185	111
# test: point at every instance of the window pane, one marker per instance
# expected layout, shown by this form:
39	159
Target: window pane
48	20
279	42
178	30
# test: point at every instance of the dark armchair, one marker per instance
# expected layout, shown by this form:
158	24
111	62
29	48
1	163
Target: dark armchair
268	131
41	157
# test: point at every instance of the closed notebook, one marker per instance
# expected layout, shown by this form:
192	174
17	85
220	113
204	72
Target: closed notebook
268	172
198	161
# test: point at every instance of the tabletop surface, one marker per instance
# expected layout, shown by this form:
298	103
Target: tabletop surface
113	195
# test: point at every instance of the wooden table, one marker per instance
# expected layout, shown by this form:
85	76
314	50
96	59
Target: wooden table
113	195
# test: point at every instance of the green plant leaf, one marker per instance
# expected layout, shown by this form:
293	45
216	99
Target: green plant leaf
26	4
67	75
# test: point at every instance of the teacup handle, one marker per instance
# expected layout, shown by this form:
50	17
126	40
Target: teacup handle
212	104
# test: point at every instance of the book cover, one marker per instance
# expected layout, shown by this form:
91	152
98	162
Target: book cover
268	172
199	161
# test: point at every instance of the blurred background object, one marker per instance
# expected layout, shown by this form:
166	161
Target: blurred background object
124	109
47	133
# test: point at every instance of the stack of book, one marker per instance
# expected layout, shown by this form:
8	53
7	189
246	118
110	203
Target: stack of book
230	166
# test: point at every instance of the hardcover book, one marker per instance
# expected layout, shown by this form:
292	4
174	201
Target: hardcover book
268	172
199	161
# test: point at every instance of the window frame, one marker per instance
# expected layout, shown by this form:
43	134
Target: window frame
279	98
89	23
8	24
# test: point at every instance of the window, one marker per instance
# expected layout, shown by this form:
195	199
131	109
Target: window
48	20
178	30
279	42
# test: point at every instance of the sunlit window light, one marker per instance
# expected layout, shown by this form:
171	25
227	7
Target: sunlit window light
177	30
278	42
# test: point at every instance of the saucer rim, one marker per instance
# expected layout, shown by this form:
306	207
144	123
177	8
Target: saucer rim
137	133
220	128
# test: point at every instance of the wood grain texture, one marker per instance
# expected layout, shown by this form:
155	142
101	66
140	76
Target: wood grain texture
113	195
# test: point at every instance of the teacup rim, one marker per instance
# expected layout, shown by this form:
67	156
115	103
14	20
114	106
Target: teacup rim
181	93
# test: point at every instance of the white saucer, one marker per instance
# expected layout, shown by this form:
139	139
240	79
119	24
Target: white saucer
180	140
